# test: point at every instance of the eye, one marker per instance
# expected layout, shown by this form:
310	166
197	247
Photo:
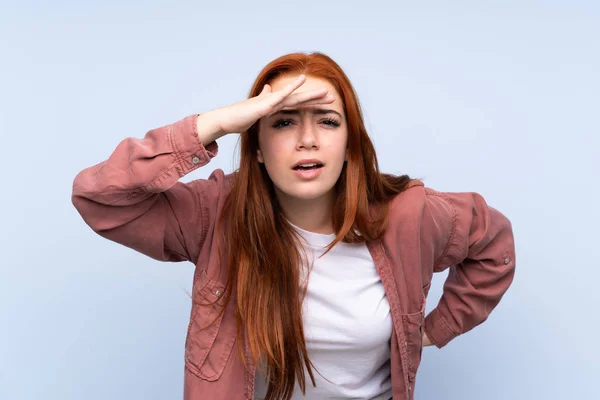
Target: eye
282	123
331	122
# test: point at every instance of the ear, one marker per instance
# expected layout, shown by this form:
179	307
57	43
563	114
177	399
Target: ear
259	156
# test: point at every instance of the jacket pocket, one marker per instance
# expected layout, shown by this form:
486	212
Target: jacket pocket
413	331
210	336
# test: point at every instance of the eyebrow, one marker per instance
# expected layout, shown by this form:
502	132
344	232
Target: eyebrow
318	111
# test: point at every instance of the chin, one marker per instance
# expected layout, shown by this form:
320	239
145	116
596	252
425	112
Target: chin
307	193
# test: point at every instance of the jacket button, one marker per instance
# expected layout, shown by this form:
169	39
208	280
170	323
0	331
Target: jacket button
195	160
218	293
506	260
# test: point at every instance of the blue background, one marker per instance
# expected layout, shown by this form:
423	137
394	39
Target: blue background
497	97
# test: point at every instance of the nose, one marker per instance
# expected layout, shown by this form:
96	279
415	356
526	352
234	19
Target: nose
308	136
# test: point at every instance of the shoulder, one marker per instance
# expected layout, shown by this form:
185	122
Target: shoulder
424	213
218	181
212	191
220	177
417	200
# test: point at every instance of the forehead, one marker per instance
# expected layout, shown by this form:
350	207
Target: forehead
311	83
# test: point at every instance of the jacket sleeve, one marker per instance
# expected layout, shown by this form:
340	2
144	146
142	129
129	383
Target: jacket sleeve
135	198
479	250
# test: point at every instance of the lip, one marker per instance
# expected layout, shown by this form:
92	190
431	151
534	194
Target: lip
308	174
308	161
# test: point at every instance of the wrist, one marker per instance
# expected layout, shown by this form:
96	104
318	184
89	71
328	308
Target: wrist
208	127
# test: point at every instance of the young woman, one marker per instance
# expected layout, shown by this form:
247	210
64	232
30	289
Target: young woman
309	261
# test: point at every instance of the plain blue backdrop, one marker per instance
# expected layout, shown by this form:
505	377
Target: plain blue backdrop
495	97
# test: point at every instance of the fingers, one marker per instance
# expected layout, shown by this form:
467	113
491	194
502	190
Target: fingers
290	87
266	90
294	102
287	90
326	100
284	97
319	96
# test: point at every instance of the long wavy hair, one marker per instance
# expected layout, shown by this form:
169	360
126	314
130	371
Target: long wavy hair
263	251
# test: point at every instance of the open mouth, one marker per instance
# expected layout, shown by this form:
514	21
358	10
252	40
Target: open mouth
308	167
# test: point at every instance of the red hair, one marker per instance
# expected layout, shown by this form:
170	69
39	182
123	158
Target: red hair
264	255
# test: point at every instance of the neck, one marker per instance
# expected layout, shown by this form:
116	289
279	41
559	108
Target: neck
314	215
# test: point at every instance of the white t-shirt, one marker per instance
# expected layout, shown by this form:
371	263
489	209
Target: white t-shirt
347	324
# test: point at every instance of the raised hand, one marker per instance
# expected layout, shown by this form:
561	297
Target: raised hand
239	117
